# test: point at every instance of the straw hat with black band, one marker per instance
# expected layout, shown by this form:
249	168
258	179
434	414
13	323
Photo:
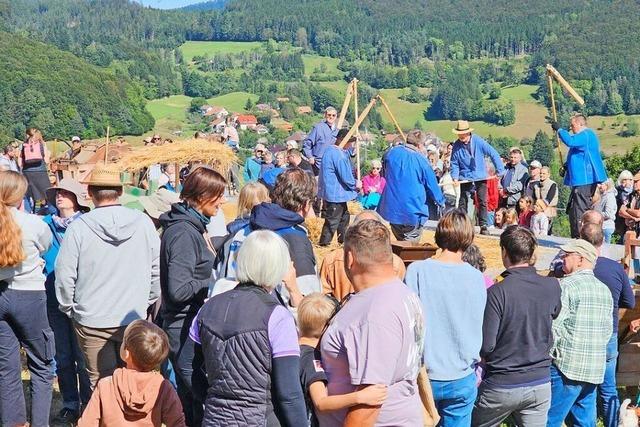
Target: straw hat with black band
72	186
462	128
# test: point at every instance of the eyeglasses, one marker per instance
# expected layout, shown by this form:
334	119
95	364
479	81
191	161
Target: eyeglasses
331	115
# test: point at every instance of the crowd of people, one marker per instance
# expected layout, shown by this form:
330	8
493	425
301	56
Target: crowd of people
146	318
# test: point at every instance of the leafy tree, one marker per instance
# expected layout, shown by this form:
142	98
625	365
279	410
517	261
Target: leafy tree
196	103
248	105
542	149
495	92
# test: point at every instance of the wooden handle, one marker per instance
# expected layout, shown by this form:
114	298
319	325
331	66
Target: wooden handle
358	122
395	122
345	104
554	113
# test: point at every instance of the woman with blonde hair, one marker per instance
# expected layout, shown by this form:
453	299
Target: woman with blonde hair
252	194
24	238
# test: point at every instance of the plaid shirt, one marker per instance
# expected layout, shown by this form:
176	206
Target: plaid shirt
583	328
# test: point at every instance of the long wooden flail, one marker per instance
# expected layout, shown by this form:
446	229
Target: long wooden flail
553	74
364	115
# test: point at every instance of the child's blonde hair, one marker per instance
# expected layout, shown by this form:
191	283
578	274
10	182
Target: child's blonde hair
252	194
541	204
147	344
510	217
314	312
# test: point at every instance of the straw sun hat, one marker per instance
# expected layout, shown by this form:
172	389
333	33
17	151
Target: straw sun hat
462	128
105	176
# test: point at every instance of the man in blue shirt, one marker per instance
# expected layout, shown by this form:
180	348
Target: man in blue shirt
468	164
411	184
253	164
322	135
584	168
336	186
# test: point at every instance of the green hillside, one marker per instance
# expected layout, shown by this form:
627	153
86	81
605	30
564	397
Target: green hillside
63	95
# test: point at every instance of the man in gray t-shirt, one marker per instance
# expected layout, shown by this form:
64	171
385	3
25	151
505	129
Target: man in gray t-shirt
376	337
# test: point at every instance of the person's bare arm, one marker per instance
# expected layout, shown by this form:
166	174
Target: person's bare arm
369	395
362	415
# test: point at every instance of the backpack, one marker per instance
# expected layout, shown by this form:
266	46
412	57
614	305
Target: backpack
33	153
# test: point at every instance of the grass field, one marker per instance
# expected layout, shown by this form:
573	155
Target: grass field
195	48
312	62
234	101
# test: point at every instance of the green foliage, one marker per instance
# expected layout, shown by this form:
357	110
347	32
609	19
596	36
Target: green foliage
495	91
542	149
619	162
632	128
63	95
414	96
500	112
196	103
503	144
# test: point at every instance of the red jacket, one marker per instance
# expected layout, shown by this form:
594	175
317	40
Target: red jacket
493	196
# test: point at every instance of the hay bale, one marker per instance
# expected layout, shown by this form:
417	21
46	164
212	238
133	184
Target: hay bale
219	156
314	228
354	207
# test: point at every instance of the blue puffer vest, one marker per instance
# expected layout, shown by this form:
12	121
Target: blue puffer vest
235	343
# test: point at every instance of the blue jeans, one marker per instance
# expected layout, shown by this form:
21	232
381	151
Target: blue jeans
454	400
23	322
73	378
607	390
571	397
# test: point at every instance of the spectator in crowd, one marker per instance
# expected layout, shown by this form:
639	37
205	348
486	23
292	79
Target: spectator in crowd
510	217
73	380
493	194
247	329
525	206
607	206
267	163
376	337
230	133
76	147
434	160
269	177
314	313
500	219
295	159
612	274
332	274
584	167
450	191
514	180
34	158
107	272
8	158
291	203
547	190
187	259
517	337
446	154
581	333
23	308
453	337
167	179
624	190
322	135
535	167
136	393
467	163
631	214
539	220
251	195
411	184
253	164
373	186
473	256
336	187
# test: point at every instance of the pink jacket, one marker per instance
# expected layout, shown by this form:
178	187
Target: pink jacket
371	183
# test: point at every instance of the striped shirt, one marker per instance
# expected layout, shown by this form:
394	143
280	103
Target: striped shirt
583	328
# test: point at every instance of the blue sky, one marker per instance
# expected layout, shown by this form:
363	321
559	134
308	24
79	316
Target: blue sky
168	4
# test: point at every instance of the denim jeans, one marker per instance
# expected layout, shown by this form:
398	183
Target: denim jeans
71	370
607	390
454	400
571	397
23	322
528	405
409	233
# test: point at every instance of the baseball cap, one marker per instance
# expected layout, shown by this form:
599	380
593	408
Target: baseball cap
535	164
75	139
582	248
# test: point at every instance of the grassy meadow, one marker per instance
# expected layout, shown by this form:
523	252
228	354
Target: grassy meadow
197	48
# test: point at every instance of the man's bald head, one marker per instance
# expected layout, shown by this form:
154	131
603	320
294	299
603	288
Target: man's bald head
367	214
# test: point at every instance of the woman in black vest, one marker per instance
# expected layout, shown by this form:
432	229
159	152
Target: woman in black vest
250	344
186	272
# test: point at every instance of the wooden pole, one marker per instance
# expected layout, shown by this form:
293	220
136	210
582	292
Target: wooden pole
345	105
393	119
355	100
551	71
358	122
177	176
106	149
554	113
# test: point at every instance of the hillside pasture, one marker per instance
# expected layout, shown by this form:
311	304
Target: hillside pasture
200	48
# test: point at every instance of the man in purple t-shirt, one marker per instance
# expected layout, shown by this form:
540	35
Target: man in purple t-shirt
376	337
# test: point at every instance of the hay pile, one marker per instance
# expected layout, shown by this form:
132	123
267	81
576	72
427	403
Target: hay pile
219	156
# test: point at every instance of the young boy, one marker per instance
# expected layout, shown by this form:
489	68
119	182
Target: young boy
314	312
136	395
